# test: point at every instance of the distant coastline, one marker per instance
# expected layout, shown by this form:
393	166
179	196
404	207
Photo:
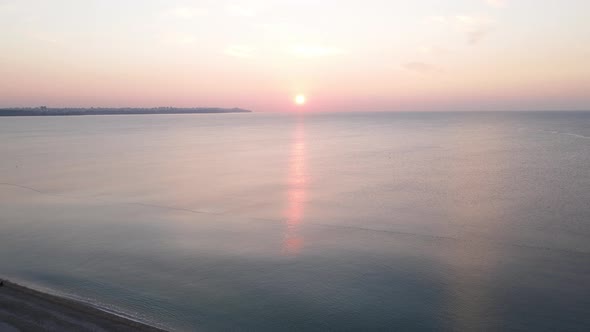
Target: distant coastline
46	111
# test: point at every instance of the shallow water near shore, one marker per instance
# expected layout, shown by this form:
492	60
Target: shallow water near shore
360	221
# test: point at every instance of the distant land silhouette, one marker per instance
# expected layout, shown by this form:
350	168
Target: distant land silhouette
46	111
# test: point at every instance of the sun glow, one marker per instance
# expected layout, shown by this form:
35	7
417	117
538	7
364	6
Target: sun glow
300	99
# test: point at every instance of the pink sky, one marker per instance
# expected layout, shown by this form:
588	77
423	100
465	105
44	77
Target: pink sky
343	55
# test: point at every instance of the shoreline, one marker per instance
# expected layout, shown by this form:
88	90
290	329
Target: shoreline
25	309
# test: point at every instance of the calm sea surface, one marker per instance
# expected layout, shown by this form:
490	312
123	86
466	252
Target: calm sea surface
368	221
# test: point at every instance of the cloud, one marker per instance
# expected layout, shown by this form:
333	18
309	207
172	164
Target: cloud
312	51
437	20
475	27
421	67
176	37
240	11
434	50
240	51
497	3
7	7
185	13
46	37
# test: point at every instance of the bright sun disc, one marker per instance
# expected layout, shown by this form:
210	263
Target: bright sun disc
300	99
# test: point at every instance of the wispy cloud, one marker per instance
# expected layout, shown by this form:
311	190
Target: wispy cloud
421	67
185	13
6	7
312	51
46	37
437	19
474	27
497	3
176	37
240	51
434	50
240	11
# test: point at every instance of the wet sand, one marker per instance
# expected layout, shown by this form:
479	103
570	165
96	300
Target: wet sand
24	309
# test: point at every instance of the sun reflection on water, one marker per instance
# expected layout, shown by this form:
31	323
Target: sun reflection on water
296	194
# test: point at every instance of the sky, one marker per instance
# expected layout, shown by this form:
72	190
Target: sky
343	55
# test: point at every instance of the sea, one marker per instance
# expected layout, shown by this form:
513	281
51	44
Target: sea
448	221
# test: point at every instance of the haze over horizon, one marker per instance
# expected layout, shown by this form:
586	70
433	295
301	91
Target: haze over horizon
342	55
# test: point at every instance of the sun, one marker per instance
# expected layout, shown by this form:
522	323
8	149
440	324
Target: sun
300	99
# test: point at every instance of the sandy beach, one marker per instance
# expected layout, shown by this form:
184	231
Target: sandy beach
25	309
